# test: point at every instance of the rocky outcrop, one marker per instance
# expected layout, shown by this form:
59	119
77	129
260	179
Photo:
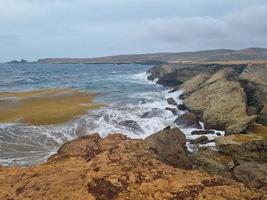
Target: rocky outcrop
251	146
220	102
169	144
114	168
225	96
254	80
213	161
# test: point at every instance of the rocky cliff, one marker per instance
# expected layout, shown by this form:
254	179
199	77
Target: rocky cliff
117	167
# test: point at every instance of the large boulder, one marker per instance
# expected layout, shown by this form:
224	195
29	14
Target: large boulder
220	101
251	146
188	120
252	174
169	144
254	80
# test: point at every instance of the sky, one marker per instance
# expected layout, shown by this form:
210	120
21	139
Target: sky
33	29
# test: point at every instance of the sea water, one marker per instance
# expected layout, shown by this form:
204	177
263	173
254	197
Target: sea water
124	90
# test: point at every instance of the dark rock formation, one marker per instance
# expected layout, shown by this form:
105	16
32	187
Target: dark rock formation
200	140
173	110
171	101
188	120
131	125
254	80
202	132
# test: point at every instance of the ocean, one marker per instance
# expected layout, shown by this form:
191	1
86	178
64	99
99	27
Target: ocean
134	106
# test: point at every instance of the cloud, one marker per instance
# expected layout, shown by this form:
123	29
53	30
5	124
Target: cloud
237	29
65	28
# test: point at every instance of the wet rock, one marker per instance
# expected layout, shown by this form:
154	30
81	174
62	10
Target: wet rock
188	120
123	169
173	110
252	174
181	107
251	146
220	101
169	144
200	140
131	125
171	101
213	161
155	112
202	132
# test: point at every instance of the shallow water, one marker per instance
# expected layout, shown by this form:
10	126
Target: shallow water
124	89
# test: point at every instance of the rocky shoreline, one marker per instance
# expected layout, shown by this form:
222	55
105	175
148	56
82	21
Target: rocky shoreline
230	98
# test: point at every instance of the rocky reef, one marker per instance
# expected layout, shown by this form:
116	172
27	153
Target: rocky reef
117	167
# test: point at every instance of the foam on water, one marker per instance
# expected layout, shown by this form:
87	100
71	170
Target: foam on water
128	96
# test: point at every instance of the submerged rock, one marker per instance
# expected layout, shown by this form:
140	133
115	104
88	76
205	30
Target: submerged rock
173	110
188	120
171	101
119	168
131	125
155	112
169	144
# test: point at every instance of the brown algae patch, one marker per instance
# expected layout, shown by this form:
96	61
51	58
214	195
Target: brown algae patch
46	106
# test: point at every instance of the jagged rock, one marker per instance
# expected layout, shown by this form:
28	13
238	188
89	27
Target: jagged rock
213	161
171	101
131	125
252	174
181	107
169	144
202	132
220	102
254	80
173	110
188	120
200	140
251	146
121	168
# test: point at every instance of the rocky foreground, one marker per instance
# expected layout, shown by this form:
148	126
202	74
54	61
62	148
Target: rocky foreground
117	167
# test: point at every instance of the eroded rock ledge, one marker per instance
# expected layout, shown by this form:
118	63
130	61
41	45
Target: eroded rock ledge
225	97
117	167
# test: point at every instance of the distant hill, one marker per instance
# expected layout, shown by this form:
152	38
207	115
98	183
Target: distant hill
154	58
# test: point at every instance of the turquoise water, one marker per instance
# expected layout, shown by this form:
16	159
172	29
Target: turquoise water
124	89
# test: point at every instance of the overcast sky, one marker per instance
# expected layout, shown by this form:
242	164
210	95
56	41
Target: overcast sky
33	29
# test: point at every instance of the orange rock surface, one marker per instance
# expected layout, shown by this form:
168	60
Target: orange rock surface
114	168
